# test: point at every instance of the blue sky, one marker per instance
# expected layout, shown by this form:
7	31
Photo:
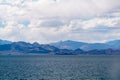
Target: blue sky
48	21
2	24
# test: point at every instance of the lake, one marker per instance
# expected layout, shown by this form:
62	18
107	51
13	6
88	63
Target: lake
59	67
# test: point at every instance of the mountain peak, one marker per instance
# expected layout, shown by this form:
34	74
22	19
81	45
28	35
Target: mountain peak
4	42
69	44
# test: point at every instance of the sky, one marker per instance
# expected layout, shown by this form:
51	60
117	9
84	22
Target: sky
47	21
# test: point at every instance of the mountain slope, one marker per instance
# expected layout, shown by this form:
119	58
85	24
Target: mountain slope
86	46
4	42
68	44
114	44
61	48
23	47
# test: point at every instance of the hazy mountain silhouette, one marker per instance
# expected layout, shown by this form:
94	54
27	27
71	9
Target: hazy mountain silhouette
60	48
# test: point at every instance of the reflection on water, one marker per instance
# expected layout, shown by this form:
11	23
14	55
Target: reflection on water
51	67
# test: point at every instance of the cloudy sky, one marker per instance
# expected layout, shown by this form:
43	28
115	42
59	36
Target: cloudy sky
48	21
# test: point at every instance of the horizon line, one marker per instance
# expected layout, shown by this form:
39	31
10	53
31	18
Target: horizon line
61	41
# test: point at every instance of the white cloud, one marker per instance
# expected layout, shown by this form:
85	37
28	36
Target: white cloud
71	8
54	20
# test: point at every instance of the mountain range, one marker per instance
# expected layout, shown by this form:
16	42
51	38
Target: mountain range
4	42
61	48
86	46
24	47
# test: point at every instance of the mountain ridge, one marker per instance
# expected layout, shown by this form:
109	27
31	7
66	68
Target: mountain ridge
4	42
115	44
22	47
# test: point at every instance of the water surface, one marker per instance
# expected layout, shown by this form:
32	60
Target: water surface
57	67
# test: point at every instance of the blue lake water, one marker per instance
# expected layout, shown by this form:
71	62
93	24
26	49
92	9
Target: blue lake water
59	67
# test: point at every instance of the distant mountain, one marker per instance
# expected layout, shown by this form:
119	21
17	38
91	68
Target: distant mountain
86	46
66	48
93	46
114	44
35	48
69	44
4	42
23	47
104	52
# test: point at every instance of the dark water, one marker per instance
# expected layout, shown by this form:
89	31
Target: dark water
51	67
